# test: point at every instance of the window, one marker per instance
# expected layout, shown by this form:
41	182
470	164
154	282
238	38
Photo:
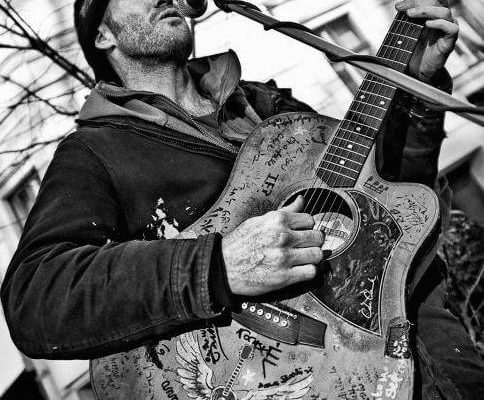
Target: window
343	32
22	199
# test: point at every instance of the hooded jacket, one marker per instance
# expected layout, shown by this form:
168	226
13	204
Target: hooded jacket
97	270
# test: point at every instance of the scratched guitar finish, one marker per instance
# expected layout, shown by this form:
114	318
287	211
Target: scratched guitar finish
346	336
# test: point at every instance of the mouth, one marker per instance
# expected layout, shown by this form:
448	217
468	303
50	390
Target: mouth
170	13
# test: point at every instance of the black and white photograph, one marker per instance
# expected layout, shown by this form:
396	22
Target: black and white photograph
242	199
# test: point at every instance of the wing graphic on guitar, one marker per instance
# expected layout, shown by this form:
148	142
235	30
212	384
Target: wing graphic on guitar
196	376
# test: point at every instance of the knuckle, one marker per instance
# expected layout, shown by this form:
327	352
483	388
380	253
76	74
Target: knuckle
279	217
282	257
284	238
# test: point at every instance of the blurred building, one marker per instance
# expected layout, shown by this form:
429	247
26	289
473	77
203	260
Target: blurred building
359	25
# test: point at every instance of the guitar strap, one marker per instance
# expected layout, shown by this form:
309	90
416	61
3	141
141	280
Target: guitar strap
436	98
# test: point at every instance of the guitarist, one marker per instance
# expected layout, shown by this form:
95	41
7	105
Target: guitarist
154	147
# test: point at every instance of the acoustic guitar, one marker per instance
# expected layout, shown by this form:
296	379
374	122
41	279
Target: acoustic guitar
345	337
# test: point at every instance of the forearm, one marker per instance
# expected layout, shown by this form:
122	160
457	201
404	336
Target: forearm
67	301
410	145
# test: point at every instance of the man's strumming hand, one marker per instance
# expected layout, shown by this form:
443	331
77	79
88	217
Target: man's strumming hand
432	53
272	251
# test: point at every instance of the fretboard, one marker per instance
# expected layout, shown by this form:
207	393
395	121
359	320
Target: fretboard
351	145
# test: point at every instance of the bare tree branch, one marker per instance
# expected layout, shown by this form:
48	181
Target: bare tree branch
32	145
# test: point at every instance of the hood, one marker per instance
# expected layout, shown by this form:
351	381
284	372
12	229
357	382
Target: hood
217	76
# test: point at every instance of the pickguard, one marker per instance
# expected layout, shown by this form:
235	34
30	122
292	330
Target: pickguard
351	285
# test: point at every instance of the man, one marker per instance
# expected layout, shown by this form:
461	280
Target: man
151	154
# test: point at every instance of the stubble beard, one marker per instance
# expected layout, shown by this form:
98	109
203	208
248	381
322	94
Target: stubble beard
164	41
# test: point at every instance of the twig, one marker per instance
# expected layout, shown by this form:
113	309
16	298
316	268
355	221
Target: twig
32	145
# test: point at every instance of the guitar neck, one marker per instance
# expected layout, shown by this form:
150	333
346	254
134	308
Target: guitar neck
235	374
356	134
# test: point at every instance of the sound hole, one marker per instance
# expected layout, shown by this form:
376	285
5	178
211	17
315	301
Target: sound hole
332	215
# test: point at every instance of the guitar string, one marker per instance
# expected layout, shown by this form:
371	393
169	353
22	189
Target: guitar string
400	58
384	52
330	184
332	144
400	28
404	30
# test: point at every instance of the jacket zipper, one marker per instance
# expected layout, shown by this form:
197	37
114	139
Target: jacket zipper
206	136
180	143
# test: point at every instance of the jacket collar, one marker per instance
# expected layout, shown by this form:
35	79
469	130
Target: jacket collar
216	75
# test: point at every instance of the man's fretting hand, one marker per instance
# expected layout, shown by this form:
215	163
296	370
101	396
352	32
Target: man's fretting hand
273	251
443	31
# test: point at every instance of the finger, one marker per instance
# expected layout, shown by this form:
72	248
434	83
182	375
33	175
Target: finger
296	206
305	255
299	221
309	238
430	12
302	273
449	29
407	4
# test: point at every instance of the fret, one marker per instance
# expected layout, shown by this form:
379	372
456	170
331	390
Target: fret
358	136
355	136
324	168
361	132
393	55
339	158
347	153
350	145
398	48
379	110
401	42
373	101
339	165
370	94
364	119
403	37
408	28
390	61
388	91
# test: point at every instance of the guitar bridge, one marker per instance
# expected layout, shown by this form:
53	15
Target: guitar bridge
281	323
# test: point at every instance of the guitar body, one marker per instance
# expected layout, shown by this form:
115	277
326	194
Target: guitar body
345	338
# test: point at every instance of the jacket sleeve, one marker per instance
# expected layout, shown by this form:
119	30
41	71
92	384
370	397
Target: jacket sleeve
409	148
77	288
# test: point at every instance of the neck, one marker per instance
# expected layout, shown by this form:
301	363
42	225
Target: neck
168	79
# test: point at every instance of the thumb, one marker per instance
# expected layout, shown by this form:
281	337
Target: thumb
296	206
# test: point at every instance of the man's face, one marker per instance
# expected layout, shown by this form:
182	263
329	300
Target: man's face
149	29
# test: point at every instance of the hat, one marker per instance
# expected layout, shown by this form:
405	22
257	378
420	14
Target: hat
88	15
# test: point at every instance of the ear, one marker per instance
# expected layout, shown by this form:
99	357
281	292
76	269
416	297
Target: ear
105	39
